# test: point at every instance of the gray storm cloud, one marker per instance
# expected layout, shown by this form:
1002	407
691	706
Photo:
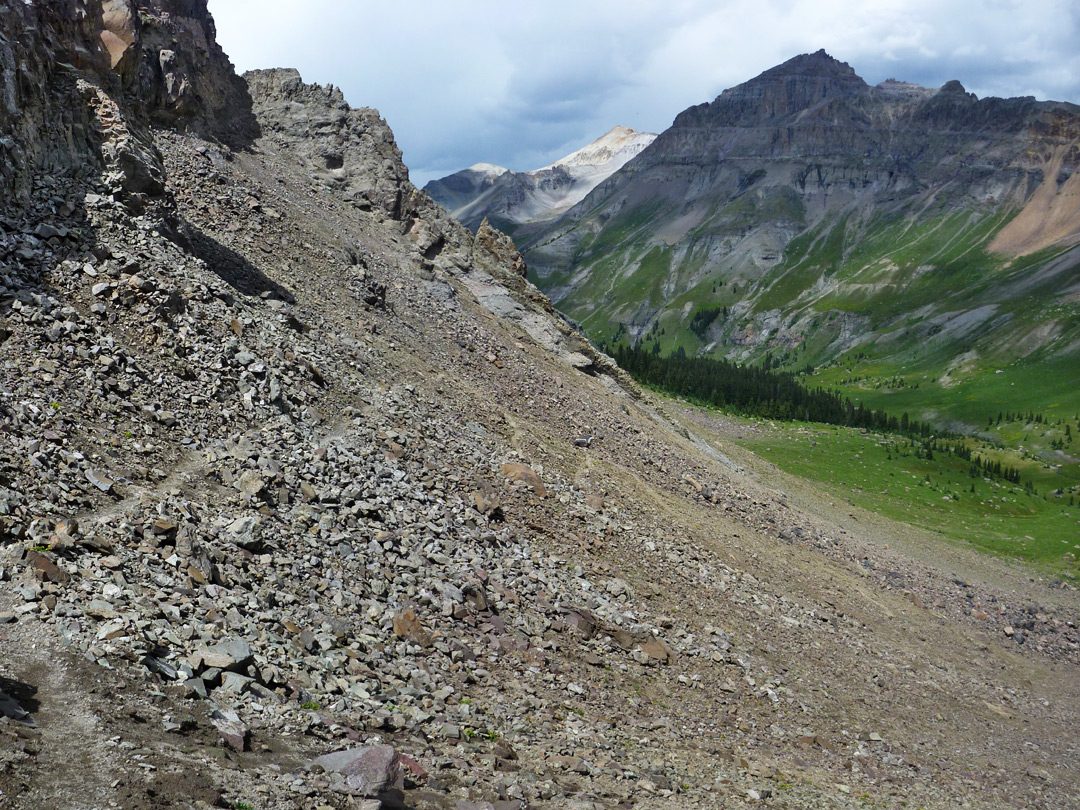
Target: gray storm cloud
523	84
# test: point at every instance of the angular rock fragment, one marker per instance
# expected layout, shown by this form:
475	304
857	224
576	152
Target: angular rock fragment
370	770
486	498
9	707
46	568
407	625
234	732
231	654
99	480
522	472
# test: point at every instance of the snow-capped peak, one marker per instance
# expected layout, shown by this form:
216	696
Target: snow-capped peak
616	146
489	169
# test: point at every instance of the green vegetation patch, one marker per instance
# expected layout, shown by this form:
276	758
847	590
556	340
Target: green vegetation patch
887	475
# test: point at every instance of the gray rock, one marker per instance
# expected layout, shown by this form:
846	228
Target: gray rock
244	532
9	707
231	654
100	480
250	483
234	732
47	231
162	668
234	682
369	770
450	731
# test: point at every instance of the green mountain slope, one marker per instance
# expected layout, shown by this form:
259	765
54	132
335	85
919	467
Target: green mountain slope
893	231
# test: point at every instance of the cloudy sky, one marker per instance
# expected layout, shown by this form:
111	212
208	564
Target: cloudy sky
521	84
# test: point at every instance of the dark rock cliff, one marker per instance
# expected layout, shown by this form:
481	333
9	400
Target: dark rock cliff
815	111
80	83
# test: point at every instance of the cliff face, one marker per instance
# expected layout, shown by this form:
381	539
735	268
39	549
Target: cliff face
350	151
166	55
43	130
806	192
82	81
813	111
832	132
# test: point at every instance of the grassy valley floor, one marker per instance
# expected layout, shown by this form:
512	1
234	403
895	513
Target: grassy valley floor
883	474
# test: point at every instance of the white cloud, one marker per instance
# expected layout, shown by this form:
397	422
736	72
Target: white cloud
521	84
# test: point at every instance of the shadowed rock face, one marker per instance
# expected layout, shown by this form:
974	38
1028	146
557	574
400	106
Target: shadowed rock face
170	64
42	129
80	82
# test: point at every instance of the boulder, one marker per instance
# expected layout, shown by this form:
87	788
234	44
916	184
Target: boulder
234	732
369	770
522	472
407	625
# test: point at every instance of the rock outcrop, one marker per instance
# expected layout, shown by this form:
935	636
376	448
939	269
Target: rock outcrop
83	81
172	69
47	123
351	153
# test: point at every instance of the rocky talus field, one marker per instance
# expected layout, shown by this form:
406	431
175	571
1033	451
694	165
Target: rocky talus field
309	500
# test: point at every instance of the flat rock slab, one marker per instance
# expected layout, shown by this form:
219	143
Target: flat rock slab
369	770
232	729
231	654
99	480
46	568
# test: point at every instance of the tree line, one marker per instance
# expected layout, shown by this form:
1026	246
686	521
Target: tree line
770	394
753	391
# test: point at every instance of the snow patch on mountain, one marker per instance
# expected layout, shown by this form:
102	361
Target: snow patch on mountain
511	198
612	149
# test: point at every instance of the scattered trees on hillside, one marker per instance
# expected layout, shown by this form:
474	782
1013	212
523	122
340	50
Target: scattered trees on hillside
702	319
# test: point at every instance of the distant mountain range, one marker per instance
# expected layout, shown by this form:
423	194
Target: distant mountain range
808	214
509	198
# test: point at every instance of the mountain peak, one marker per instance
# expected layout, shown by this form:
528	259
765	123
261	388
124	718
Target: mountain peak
488	169
818	63
953	87
818	68
510	198
802	83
